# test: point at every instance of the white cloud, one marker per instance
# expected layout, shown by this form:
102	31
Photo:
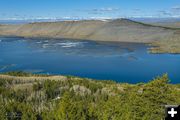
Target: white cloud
105	10
176	7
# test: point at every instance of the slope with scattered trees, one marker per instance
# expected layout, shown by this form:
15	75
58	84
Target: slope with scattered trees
39	97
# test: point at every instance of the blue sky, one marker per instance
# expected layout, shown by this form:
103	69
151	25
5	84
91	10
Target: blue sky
30	9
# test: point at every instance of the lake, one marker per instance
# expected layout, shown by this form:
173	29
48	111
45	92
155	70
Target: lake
122	62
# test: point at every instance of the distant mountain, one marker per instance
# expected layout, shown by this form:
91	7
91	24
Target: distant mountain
122	30
140	19
155	20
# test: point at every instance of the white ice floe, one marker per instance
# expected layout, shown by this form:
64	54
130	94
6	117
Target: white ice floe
46	41
39	42
45	45
69	44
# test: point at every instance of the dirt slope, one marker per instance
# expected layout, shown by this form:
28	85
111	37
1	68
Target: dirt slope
122	30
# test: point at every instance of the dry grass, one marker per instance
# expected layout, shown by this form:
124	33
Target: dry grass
168	45
31	79
120	30
168	24
26	86
26	83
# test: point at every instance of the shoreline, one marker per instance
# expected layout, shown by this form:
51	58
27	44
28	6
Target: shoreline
118	30
152	47
26	76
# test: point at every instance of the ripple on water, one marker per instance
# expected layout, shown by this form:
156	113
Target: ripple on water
4	67
33	70
131	58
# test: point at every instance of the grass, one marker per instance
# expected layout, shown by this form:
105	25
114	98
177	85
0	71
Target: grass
24	74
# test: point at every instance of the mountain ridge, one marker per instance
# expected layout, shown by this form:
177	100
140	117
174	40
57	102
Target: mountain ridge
119	30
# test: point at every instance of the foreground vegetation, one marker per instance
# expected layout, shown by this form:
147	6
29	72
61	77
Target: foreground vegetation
26	96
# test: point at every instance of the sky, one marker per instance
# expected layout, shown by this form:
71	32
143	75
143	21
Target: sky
57	9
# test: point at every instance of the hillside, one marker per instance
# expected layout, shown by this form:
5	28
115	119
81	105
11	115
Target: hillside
42	97
122	30
175	24
119	30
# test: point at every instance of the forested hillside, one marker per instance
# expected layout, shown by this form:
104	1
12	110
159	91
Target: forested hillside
25	96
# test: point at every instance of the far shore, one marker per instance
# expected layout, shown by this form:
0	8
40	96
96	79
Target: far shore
166	39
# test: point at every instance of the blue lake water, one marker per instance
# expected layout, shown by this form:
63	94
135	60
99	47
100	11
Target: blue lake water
122	62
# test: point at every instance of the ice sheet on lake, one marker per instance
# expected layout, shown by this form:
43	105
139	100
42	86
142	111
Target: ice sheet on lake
70	44
46	44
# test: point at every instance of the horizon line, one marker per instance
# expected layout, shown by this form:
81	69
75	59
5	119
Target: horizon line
87	18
